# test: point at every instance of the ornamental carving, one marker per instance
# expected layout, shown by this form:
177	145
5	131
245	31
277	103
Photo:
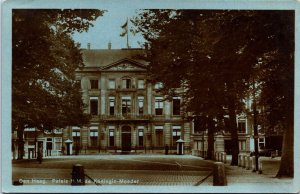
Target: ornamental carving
125	66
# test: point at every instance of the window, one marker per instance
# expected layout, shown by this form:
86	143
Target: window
241	126
158	105
111	136
141	136
94	84
126	83
141	84
158	85
176	134
159	136
57	131
261	143
94	135
76	136
176	105
57	143
111	84
94	105
242	145
111	105
75	131
141	105
126	105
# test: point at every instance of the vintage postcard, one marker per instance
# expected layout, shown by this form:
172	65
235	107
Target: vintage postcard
150	96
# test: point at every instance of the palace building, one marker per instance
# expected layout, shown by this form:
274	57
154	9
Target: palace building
128	114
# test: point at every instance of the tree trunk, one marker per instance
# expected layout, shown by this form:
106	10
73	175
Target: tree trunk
210	139
286	168
20	140
233	132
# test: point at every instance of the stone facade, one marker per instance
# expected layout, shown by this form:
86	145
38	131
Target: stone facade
128	112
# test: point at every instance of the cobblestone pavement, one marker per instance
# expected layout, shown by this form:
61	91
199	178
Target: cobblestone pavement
117	170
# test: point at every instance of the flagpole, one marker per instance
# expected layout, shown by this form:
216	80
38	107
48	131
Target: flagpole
127	33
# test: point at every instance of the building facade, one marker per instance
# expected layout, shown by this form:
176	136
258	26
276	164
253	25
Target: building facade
128	113
222	138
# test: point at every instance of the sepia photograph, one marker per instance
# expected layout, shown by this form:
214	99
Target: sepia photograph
183	97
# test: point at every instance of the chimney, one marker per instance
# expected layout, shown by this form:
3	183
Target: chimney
109	45
88	46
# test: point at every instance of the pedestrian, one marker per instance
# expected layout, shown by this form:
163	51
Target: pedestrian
166	149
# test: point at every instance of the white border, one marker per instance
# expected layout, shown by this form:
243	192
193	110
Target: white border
137	4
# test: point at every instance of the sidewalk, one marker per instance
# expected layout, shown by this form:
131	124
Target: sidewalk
266	181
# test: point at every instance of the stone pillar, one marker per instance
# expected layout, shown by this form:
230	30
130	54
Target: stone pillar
102	102
134	133
118	136
103	94
219	143
153	139
168	134
148	138
167	109
85	95
84	137
149	99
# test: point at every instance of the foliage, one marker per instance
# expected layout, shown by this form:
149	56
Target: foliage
215	54
45	93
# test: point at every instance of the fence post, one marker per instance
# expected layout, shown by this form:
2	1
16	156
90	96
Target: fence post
244	161
240	160
78	176
248	167
253	163
260	167
219	175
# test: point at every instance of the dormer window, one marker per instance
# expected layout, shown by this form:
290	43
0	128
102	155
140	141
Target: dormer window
126	83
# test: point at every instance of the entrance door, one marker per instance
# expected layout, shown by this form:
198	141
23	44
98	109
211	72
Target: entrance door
126	138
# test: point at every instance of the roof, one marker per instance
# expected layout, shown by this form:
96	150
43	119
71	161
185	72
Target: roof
105	57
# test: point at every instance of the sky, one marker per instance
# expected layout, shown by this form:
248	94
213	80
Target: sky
108	28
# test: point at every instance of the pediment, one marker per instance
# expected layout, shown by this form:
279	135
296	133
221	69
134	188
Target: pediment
125	65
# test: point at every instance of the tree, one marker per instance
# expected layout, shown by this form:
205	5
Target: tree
276	75
45	93
189	43
214	54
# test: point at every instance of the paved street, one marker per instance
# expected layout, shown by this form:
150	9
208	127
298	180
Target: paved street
147	170
117	170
